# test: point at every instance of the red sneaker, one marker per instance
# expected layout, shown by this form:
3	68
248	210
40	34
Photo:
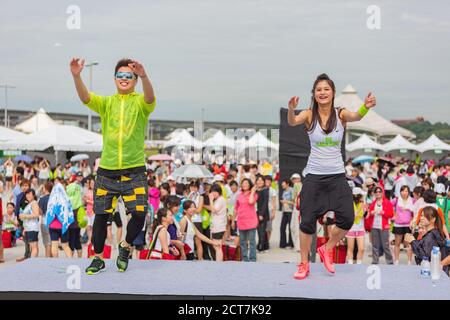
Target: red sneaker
327	258
302	272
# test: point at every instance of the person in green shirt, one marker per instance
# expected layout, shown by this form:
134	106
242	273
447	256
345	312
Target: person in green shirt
443	201
121	171
74	191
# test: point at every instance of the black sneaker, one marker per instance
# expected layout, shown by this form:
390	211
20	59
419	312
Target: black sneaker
97	265
122	258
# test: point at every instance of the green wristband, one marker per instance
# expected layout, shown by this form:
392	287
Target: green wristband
363	110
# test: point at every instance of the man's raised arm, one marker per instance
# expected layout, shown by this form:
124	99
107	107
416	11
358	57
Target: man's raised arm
76	66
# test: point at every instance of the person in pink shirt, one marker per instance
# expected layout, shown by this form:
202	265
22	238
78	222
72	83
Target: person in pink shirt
403	214
247	219
153	195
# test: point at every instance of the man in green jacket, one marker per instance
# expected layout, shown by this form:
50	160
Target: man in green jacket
121	172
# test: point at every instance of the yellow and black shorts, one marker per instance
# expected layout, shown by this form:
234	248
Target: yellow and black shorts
132	187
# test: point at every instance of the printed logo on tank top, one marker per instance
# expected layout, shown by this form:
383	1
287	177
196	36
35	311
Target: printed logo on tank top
328	142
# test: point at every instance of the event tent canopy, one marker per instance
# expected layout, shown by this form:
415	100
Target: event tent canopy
258	140
433	143
219	140
372	122
184	139
7	135
40	121
399	143
61	138
363	143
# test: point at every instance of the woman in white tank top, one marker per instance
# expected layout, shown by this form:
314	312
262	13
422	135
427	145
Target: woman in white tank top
324	187
190	232
160	246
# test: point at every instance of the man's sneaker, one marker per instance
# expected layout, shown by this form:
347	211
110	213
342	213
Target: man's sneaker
122	258
327	258
97	265
302	272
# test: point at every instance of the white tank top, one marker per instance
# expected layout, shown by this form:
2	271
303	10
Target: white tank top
190	234
9	171
157	251
326	155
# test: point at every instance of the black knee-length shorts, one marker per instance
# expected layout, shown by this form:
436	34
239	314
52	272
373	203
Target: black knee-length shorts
321	194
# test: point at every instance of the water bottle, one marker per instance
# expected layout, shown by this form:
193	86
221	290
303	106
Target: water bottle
425	268
435	264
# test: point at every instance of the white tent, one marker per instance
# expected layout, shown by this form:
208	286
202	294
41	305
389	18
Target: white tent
399	143
363	143
40	121
372	122
433	143
61	138
175	133
219	140
258	140
183	139
8	135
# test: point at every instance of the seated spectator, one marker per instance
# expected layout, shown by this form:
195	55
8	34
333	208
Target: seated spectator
432	235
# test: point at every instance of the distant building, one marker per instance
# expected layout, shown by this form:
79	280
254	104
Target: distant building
403	122
157	130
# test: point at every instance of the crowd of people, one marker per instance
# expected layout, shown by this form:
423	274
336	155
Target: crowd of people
398	207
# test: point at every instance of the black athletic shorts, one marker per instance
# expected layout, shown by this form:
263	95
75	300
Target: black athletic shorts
321	194
56	234
32	236
218	235
400	231
110	185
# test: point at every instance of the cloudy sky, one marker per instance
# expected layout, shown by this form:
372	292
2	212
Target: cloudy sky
240	60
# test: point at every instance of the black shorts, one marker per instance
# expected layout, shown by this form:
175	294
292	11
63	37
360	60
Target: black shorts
9	179
132	187
116	218
321	194
31	236
400	231
218	235
56	234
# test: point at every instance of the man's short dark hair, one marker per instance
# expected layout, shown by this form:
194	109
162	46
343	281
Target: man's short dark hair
429	196
20	170
123	63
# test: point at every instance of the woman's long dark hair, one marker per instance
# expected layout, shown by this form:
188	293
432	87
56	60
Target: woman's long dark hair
166	187
162	213
187	204
431	212
331	123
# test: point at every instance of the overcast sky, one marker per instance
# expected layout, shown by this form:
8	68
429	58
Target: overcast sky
240	60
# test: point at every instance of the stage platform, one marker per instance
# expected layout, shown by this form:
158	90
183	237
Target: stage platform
48	279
